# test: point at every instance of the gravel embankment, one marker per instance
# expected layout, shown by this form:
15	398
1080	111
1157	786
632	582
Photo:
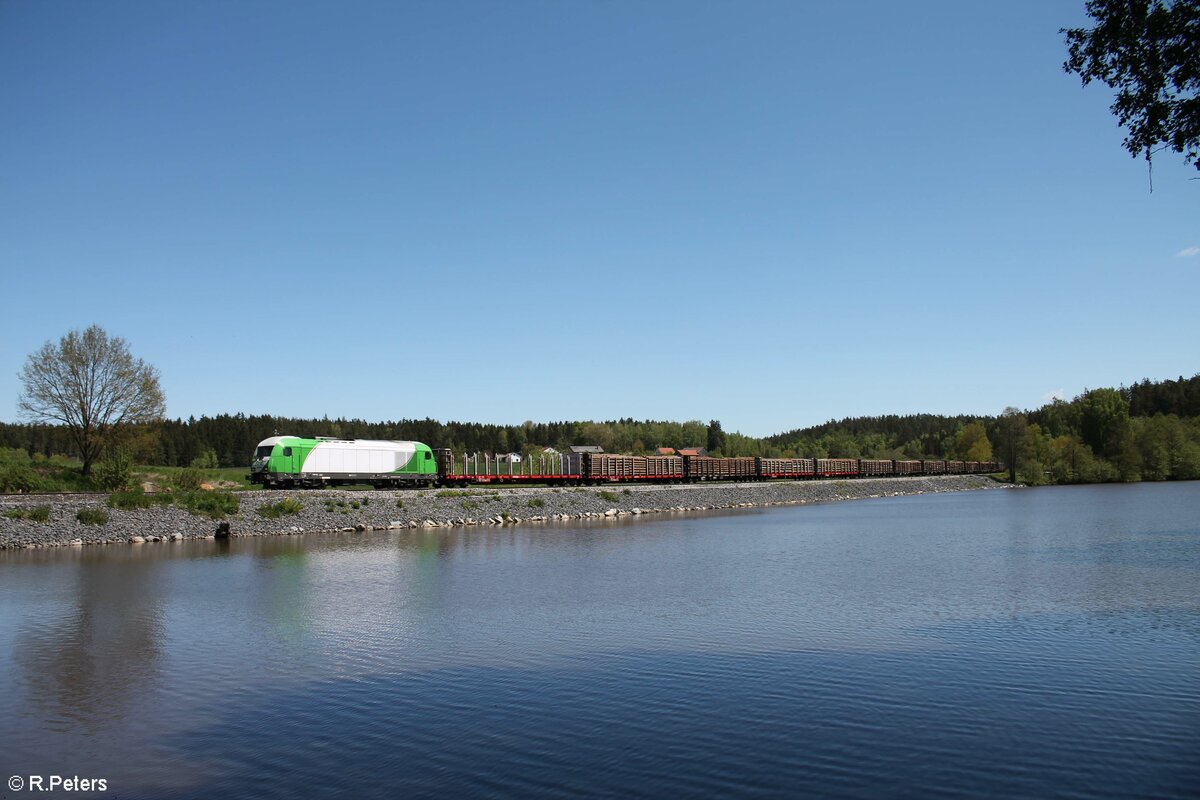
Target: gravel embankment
389	510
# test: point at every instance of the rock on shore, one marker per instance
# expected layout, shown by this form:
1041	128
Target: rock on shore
336	510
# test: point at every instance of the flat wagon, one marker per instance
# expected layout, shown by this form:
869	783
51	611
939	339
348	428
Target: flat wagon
606	467
708	468
837	467
868	467
786	467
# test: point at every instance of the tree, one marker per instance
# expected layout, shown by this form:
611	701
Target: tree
716	437
1103	421
1149	52
1013	438
972	444
90	383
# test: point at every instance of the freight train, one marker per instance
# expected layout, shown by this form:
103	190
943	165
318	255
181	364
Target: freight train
295	462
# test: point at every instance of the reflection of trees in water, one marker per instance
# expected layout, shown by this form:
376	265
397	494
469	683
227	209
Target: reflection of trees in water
86	666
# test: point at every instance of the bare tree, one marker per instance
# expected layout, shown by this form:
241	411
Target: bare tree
91	383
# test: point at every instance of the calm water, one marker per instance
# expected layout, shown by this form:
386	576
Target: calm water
1009	643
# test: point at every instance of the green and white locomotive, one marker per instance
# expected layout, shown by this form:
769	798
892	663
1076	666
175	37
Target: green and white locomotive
292	461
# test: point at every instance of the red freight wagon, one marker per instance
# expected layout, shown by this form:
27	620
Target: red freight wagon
786	467
709	468
829	467
607	467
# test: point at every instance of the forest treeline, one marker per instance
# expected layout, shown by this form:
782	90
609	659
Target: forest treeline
1150	430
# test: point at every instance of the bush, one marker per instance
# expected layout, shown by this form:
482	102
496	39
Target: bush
188	479
399	503
35	514
609	496
284	507
214	505
206	460
19	478
114	473
536	502
92	516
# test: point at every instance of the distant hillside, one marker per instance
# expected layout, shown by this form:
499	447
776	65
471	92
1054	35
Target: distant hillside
889	436
1150	430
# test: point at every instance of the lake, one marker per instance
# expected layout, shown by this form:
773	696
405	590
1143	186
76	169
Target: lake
1029	642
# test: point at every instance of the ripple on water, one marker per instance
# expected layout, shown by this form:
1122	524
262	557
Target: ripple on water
996	644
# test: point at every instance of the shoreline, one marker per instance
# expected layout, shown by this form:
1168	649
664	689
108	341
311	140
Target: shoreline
335	511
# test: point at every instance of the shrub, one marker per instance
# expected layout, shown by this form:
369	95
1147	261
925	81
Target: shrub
354	505
188	479
285	507
366	501
13	455
609	496
214	505
92	516
536	502
114	473
399	503
19	478
206	460
34	514
469	504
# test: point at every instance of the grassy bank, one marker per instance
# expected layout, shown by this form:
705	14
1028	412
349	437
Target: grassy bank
20	473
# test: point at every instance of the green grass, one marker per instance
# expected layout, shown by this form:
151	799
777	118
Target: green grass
609	496
214	505
285	507
20	473
170	476
136	499
536	502
92	516
34	514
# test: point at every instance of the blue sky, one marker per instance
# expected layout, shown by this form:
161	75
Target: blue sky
768	213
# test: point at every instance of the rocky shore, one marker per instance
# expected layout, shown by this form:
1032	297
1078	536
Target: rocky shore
335	510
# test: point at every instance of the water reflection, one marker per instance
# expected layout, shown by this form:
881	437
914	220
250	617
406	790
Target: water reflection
84	660
1021	643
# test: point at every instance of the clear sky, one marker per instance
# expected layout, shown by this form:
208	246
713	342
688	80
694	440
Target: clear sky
767	213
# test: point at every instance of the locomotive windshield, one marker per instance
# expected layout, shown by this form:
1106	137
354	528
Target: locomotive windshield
263	452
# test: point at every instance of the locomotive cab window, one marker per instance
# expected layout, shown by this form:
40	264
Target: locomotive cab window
263	452
428	455
287	451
